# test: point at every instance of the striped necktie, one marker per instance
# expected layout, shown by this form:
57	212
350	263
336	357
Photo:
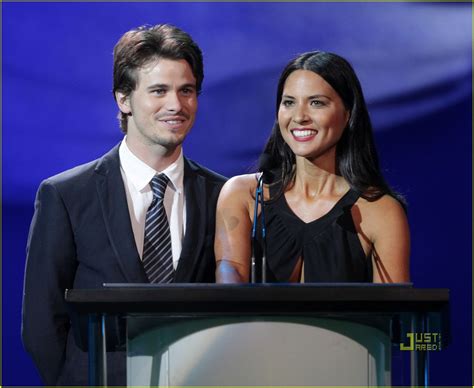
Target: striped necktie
157	254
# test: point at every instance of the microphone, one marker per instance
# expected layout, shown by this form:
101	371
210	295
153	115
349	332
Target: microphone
266	176
265	165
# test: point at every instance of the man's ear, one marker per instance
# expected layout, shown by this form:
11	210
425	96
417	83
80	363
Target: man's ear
123	102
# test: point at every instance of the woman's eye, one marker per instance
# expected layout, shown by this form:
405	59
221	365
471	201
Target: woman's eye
317	103
287	103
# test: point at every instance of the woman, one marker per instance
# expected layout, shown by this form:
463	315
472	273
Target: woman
330	216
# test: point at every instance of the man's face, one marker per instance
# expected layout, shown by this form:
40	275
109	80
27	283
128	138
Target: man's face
163	106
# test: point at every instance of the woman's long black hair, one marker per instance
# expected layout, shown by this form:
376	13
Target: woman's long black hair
356	156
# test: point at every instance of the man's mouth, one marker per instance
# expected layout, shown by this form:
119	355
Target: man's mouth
173	122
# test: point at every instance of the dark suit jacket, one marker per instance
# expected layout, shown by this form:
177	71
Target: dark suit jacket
81	237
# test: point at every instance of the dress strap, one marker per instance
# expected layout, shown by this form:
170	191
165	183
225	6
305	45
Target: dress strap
348	199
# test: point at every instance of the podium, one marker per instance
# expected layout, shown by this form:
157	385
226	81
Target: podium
270	334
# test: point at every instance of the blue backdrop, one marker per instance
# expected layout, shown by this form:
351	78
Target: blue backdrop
413	60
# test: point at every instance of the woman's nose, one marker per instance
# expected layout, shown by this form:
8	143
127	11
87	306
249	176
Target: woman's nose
301	114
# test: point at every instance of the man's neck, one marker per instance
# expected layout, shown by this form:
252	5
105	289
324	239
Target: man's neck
155	156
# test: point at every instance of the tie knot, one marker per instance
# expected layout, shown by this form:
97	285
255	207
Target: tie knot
158	185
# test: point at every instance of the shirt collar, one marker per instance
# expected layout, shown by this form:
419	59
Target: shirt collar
140	173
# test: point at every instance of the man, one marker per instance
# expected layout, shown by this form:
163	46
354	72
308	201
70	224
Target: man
141	213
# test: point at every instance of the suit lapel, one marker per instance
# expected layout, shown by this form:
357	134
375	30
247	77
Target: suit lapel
194	190
113	201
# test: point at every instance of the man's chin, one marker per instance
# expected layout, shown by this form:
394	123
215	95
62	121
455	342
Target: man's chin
170	143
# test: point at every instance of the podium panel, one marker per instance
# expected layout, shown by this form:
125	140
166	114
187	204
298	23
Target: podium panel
256	351
267	334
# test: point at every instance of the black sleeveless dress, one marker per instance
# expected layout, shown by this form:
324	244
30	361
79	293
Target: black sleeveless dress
329	246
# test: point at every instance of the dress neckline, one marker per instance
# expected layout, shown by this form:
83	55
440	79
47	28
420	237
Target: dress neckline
346	197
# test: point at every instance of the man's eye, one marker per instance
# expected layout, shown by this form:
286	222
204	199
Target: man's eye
187	91
159	91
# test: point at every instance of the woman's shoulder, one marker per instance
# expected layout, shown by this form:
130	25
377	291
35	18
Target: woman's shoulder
385	203
239	189
241	183
377	215
237	194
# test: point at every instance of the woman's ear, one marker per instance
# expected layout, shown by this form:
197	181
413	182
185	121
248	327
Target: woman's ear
123	102
348	116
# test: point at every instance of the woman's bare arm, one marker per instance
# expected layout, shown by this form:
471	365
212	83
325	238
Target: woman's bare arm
385	223
233	229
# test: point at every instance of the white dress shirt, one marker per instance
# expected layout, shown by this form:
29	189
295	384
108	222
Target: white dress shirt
136	176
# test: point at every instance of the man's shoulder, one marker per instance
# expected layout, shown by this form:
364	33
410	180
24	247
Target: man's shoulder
72	174
85	171
206	173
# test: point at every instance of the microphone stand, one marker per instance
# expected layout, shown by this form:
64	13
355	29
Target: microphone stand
259	200
264	233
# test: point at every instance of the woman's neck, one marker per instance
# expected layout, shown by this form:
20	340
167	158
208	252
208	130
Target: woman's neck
314	180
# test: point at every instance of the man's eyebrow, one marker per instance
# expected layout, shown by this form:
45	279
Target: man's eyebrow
188	85
158	86
167	87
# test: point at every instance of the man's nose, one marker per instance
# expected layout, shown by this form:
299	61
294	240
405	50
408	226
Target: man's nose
173	102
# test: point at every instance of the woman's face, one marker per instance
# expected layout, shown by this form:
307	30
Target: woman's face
311	116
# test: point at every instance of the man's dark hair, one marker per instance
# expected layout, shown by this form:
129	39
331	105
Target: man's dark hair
356	155
138	47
